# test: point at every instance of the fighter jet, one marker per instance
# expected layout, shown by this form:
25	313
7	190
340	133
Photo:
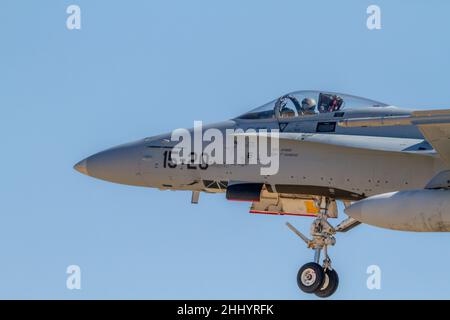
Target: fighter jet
389	166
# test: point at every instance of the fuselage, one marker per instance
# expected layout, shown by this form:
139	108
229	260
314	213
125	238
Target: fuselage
341	171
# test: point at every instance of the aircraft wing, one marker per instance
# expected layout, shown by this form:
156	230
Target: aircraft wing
434	125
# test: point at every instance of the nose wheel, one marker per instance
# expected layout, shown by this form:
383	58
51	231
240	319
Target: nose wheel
310	277
330	284
313	277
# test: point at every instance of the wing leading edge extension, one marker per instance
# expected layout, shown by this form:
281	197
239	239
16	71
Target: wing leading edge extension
434	125
387	144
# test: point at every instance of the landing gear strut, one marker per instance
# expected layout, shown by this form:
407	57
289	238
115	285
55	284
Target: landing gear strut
322	280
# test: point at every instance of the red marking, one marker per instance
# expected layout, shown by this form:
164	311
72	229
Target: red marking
282	214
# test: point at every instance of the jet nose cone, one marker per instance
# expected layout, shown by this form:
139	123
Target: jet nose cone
82	167
119	164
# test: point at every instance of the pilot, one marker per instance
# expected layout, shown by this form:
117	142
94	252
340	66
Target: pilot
309	106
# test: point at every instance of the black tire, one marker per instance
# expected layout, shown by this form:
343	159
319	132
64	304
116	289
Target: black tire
310	277
330	284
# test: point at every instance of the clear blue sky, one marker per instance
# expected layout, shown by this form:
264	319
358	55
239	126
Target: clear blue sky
139	68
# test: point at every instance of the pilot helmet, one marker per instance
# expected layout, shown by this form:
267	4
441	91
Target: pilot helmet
308	104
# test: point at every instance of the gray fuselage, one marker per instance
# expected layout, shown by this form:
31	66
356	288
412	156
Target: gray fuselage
398	158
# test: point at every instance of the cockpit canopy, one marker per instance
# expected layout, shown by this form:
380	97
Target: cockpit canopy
304	103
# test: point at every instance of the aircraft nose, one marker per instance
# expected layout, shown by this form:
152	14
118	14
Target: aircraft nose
82	167
119	164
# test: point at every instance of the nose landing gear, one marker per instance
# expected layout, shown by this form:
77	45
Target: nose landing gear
322	280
